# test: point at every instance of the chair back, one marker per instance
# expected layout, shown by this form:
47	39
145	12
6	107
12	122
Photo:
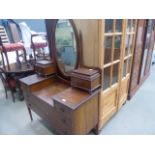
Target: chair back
14	32
3	36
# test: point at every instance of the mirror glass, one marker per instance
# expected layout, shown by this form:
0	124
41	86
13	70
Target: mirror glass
66	47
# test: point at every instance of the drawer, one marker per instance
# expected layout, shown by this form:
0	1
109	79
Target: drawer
63	118
45	107
63	125
60	108
60	124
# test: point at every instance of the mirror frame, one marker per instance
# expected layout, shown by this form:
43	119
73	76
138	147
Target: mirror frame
60	72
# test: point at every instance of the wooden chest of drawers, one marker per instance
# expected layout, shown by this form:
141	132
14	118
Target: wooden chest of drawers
45	68
68	110
86	79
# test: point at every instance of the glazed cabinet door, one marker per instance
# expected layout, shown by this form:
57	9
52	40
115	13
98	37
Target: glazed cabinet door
150	48
110	64
147	53
127	55
138	51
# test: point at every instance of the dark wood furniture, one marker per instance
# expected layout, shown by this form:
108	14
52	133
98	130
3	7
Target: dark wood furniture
69	110
86	79
39	47
45	67
142	55
18	68
9	83
15	72
6	46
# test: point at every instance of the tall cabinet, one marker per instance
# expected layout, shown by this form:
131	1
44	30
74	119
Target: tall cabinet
143	53
108	44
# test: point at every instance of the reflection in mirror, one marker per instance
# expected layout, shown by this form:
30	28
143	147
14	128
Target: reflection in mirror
117	47
106	82
108	25
118	25
66	47
108	49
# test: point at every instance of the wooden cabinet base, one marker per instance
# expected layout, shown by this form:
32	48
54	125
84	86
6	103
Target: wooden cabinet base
68	110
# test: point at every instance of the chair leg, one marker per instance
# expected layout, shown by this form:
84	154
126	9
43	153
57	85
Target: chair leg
6	94
6	55
25	55
43	53
3	59
12	93
34	52
30	113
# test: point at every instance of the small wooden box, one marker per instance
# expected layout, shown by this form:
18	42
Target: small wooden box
45	68
86	79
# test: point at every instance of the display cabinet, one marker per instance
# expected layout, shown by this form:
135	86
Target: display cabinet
143	54
108	44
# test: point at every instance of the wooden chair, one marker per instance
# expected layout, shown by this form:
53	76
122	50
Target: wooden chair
9	83
6	46
38	47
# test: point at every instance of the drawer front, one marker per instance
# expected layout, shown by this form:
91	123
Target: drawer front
60	108
80	83
63	124
59	119
64	119
56	120
45	70
25	90
95	83
45	107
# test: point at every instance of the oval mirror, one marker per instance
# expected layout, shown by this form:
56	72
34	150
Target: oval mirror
66	46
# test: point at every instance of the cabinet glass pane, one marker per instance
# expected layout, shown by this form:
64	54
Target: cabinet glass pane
124	68
129	64
108	25
108	49
115	73
117	47
118	25
127	44
130	43
129	25
106	80
133	25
